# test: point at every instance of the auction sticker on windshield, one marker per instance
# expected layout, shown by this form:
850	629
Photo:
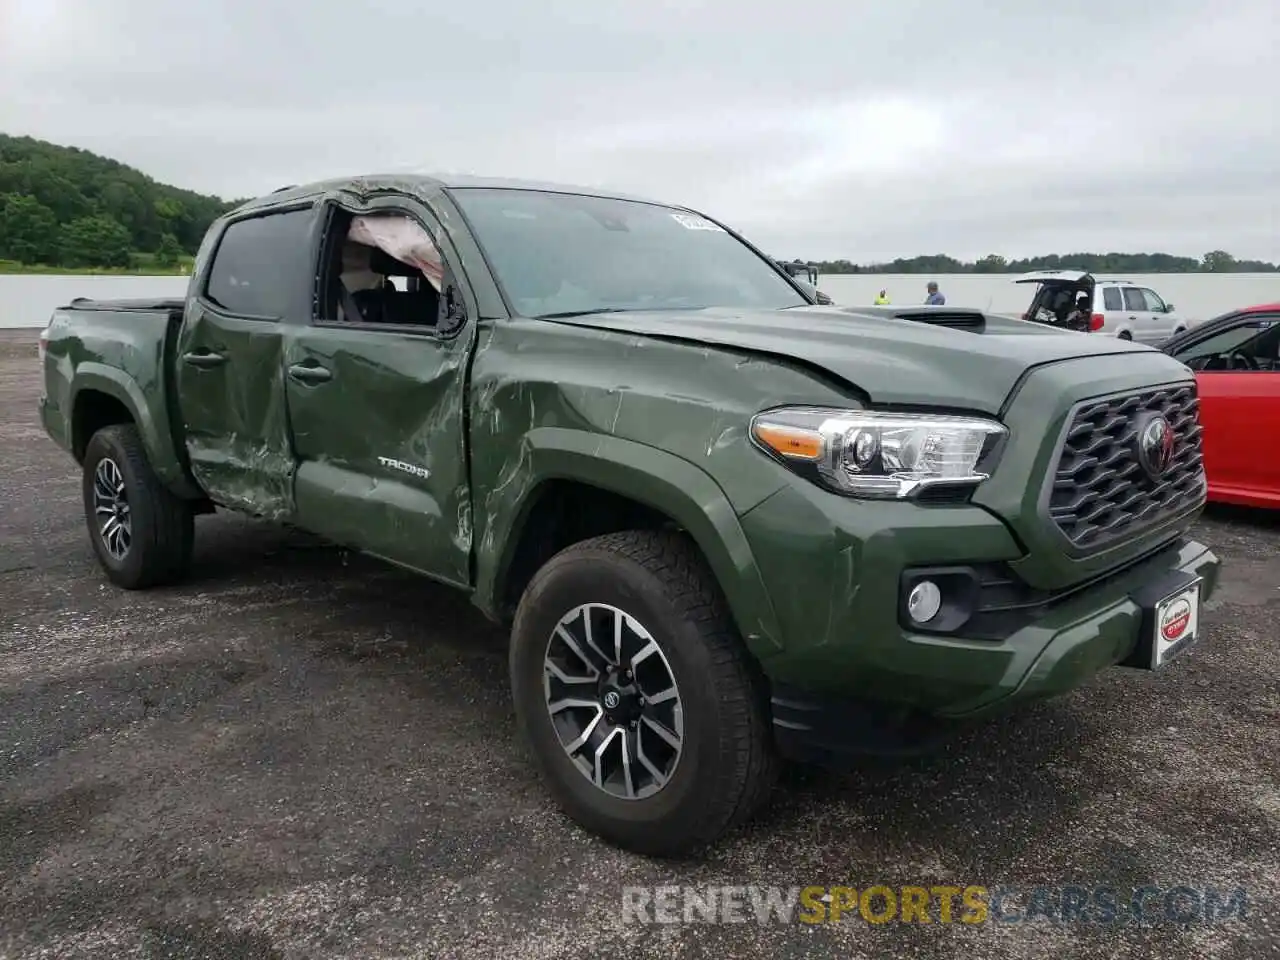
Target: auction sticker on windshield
1176	623
690	222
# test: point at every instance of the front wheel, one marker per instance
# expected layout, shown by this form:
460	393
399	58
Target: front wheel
142	533
642	708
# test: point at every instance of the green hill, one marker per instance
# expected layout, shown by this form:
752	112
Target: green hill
69	208
65	208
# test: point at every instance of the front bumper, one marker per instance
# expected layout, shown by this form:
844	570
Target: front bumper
833	568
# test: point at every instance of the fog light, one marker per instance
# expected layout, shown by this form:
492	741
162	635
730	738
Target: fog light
924	601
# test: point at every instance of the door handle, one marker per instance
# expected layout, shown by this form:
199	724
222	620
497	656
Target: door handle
204	359
307	373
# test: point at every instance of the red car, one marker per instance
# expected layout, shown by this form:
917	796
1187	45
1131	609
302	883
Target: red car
1236	358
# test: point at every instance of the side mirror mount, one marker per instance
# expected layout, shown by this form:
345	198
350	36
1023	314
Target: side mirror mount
451	309
455	309
1168	308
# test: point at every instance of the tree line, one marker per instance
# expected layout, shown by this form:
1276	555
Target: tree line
1215	261
66	207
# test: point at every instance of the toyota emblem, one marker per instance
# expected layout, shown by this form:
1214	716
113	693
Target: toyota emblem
1155	446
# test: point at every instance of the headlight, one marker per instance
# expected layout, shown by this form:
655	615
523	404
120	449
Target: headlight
889	456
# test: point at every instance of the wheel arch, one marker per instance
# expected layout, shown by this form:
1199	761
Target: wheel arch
102	395
637	486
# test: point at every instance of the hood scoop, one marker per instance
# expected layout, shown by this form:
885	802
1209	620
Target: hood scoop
954	318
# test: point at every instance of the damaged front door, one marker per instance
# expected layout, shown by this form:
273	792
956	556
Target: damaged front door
376	387
228	360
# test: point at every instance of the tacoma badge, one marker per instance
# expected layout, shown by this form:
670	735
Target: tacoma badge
420	472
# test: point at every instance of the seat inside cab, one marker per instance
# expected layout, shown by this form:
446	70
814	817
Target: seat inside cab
388	272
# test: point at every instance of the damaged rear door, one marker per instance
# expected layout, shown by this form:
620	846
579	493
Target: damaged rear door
375	383
228	359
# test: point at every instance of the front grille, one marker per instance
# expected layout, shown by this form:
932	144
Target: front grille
1101	492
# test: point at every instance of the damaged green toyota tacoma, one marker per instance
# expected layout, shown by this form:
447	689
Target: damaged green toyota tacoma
726	525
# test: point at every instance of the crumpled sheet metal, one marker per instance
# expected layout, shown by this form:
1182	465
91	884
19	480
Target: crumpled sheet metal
678	410
251	467
444	226
402	400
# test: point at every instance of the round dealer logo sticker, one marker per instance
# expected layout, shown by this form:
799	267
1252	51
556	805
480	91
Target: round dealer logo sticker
1176	619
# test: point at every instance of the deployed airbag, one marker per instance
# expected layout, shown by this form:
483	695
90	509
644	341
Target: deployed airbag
402	238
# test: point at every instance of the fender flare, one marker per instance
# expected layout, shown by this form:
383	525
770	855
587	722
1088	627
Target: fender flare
156	432
667	483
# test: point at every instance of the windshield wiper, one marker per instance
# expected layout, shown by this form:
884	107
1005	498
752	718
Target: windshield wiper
580	313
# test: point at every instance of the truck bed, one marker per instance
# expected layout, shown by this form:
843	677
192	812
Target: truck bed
128	306
118	356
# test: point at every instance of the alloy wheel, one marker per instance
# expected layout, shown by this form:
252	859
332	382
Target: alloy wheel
111	508
613	701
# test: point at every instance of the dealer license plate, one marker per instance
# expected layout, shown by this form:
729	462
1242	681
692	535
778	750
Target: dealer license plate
1176	625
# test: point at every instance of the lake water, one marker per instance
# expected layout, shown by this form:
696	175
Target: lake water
27	301
1198	296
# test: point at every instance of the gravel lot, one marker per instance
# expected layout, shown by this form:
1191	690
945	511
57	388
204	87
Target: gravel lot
303	753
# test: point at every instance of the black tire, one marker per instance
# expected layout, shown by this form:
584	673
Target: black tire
162	526
1124	335
727	766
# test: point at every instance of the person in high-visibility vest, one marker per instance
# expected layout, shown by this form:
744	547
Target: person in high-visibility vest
883	297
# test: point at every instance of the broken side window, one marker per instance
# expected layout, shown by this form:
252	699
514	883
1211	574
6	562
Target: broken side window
404	239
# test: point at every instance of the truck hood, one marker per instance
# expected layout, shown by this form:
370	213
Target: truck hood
932	356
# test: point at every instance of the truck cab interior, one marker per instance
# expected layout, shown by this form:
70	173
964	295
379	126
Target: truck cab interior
1247	347
378	270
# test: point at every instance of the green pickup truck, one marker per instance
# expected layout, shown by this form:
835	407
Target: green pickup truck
727	525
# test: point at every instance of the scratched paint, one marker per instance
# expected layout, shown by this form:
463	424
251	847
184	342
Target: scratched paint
234	420
653	407
536	383
401	398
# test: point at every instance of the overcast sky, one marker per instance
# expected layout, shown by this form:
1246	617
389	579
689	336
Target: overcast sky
821	128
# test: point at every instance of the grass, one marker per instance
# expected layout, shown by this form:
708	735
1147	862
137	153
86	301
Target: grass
143	265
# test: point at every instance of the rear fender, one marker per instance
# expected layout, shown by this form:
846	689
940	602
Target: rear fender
154	426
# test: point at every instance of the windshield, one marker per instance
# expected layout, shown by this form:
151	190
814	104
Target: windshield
560	253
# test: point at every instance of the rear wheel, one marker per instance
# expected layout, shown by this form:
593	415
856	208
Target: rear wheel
1124	335
642	708
141	533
